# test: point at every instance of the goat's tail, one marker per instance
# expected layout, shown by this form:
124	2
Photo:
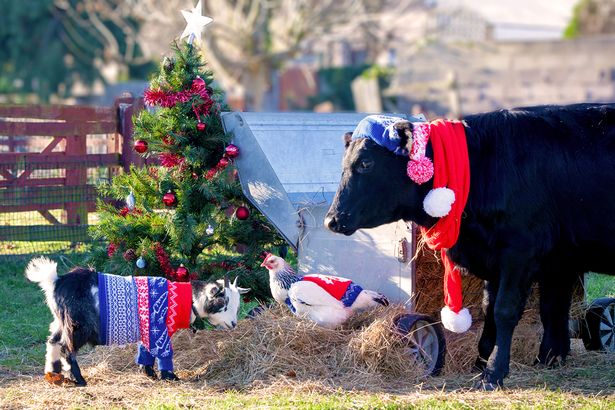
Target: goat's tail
43	271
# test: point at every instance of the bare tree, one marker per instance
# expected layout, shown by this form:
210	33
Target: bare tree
251	39
129	31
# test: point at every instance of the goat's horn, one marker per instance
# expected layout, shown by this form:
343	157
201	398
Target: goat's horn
235	281
226	280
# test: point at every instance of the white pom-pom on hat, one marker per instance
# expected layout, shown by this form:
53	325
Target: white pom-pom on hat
439	201
456	322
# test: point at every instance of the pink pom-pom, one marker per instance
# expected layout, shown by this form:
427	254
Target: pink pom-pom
421	170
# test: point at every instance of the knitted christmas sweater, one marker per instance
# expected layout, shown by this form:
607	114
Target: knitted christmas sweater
146	309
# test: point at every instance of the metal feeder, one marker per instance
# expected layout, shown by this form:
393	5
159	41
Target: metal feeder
289	170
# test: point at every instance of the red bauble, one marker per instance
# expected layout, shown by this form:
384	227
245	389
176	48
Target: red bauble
223	163
182	273
140	146
169	199
200	126
232	151
242	213
198	83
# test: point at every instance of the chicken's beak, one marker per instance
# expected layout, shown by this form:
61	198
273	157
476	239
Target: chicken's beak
263	265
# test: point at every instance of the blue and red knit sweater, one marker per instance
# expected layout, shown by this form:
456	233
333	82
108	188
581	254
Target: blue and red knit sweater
145	309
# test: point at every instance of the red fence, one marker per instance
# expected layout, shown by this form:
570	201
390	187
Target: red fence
51	158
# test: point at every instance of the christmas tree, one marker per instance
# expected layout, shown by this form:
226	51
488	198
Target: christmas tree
187	217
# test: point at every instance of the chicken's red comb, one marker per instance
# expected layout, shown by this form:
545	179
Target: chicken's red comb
264	255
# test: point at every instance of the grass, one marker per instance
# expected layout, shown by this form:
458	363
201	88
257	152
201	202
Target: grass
24	328
25	316
598	286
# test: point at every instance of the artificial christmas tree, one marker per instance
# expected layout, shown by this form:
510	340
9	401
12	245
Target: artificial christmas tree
176	220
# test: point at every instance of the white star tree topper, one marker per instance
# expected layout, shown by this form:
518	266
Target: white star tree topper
195	22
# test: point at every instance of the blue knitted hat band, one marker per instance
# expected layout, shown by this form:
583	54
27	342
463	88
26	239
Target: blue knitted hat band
380	129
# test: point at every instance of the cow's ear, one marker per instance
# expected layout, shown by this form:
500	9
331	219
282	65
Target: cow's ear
347	138
404	130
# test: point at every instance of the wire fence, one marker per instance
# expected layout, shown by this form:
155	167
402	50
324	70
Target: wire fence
51	160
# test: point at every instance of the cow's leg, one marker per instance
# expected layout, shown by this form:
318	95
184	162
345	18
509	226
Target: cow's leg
487	338
513	289
555	297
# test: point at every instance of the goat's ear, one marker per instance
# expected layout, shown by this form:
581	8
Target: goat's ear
213	290
347	138
404	130
243	290
215	305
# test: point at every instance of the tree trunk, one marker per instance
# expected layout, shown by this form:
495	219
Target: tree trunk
255	83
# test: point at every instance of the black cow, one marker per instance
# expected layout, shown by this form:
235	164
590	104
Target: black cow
541	208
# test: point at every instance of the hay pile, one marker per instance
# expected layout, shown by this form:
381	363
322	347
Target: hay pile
429	297
277	348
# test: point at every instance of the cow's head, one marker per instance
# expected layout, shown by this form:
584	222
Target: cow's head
374	188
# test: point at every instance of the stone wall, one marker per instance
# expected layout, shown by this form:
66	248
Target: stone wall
490	76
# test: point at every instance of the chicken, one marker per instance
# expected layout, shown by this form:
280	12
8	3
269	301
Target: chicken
326	300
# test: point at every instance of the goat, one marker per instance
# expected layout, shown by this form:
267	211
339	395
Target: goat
97	309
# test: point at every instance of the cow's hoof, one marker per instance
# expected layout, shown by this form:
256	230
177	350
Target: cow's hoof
148	371
484	385
550	361
167	375
479	365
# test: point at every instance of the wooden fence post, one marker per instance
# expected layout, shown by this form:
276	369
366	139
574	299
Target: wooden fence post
76	213
127	107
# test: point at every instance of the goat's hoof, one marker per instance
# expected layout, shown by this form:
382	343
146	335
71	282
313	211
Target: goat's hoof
168	375
56	379
148	371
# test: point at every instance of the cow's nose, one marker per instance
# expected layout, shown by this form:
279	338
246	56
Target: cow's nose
330	223
233	324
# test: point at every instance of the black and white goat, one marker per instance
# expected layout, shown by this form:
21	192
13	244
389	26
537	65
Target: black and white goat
74	302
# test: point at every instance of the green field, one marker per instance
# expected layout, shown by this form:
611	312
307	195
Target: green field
587	381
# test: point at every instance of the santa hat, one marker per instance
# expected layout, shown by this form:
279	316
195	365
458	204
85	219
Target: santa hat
447	198
381	130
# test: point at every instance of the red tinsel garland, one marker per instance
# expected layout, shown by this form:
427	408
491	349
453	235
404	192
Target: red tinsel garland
163	261
125	211
168	99
169	160
111	249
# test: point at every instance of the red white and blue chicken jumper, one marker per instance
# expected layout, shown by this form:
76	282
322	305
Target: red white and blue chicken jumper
342	289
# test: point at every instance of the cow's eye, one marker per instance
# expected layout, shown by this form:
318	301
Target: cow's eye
365	165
